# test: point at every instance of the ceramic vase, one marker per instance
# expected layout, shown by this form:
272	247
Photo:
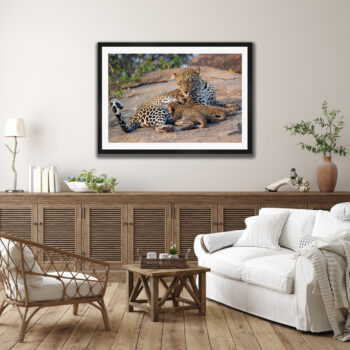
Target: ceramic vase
327	174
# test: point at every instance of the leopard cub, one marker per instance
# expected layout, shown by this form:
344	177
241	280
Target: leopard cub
212	113
185	116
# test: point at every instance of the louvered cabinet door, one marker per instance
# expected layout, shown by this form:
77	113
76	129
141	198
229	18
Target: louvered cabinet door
324	206
190	221
104	233
231	217
286	205
19	221
149	229
60	226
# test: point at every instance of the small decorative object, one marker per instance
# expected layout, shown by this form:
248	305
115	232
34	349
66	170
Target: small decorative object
325	130
214	74
43	179
163	256
172	249
162	263
151	255
88	182
295	181
14	128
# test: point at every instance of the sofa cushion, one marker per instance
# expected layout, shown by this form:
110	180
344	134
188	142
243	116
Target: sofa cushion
262	231
326	224
52	288
275	272
300	223
228	262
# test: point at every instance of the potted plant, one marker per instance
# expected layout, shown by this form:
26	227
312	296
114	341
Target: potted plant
173	251
325	130
88	182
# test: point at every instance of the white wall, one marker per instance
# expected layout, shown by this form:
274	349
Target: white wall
48	75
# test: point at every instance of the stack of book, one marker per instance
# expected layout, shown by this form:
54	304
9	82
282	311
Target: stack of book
43	179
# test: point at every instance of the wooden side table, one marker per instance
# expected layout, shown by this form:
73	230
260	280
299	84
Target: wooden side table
149	279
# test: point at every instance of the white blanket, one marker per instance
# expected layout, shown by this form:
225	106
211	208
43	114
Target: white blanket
331	260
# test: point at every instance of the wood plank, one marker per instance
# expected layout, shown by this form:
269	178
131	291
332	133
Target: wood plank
62	329
150	336
290	337
101	339
222	328
11	328
196	332
81	334
42	327
128	334
173	336
264	333
241	332
218	330
318	342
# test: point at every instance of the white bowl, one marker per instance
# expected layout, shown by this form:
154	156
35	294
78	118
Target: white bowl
77	186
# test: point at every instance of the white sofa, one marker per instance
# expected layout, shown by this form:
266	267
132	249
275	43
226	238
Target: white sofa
273	284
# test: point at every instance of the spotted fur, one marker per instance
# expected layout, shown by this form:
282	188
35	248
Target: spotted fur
212	113
154	113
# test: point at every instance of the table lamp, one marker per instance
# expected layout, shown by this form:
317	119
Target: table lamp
14	128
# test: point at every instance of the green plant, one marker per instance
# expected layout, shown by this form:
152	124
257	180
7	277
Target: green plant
172	249
127	69
325	130
97	184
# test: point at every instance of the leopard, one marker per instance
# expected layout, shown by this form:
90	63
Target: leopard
212	113
154	113
150	114
186	116
192	85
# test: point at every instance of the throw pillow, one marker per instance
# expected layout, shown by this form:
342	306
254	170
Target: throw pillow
341	211
262	231
306	240
326	224
11	256
216	241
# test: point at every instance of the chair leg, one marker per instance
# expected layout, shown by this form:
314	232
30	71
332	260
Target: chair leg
75	309
25	319
105	315
3	306
23	326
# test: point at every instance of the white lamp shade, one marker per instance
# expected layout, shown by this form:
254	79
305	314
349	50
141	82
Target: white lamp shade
15	127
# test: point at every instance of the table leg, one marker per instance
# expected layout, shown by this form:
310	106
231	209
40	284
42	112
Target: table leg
130	288
202	293
154	298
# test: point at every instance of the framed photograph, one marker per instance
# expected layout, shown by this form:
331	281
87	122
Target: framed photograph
175	98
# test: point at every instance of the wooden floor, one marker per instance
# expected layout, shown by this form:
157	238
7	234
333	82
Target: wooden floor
222	328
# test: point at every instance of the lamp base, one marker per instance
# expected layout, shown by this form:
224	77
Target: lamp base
14	191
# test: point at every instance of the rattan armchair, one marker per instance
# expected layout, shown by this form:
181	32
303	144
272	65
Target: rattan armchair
35	276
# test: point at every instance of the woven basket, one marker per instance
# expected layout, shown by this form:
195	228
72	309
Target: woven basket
179	263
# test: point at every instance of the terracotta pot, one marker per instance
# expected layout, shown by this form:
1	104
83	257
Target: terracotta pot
327	174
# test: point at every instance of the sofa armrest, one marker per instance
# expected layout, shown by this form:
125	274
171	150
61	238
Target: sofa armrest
212	242
309	304
304	272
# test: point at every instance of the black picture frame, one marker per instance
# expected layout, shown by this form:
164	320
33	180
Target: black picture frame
249	119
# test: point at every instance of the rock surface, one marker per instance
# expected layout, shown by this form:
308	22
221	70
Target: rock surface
228	89
224	61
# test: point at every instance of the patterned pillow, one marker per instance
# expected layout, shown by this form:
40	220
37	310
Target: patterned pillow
306	240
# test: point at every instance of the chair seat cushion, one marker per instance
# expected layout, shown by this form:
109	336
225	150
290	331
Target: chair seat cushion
53	289
229	262
275	272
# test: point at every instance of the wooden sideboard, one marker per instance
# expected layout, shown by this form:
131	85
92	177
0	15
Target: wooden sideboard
112	226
